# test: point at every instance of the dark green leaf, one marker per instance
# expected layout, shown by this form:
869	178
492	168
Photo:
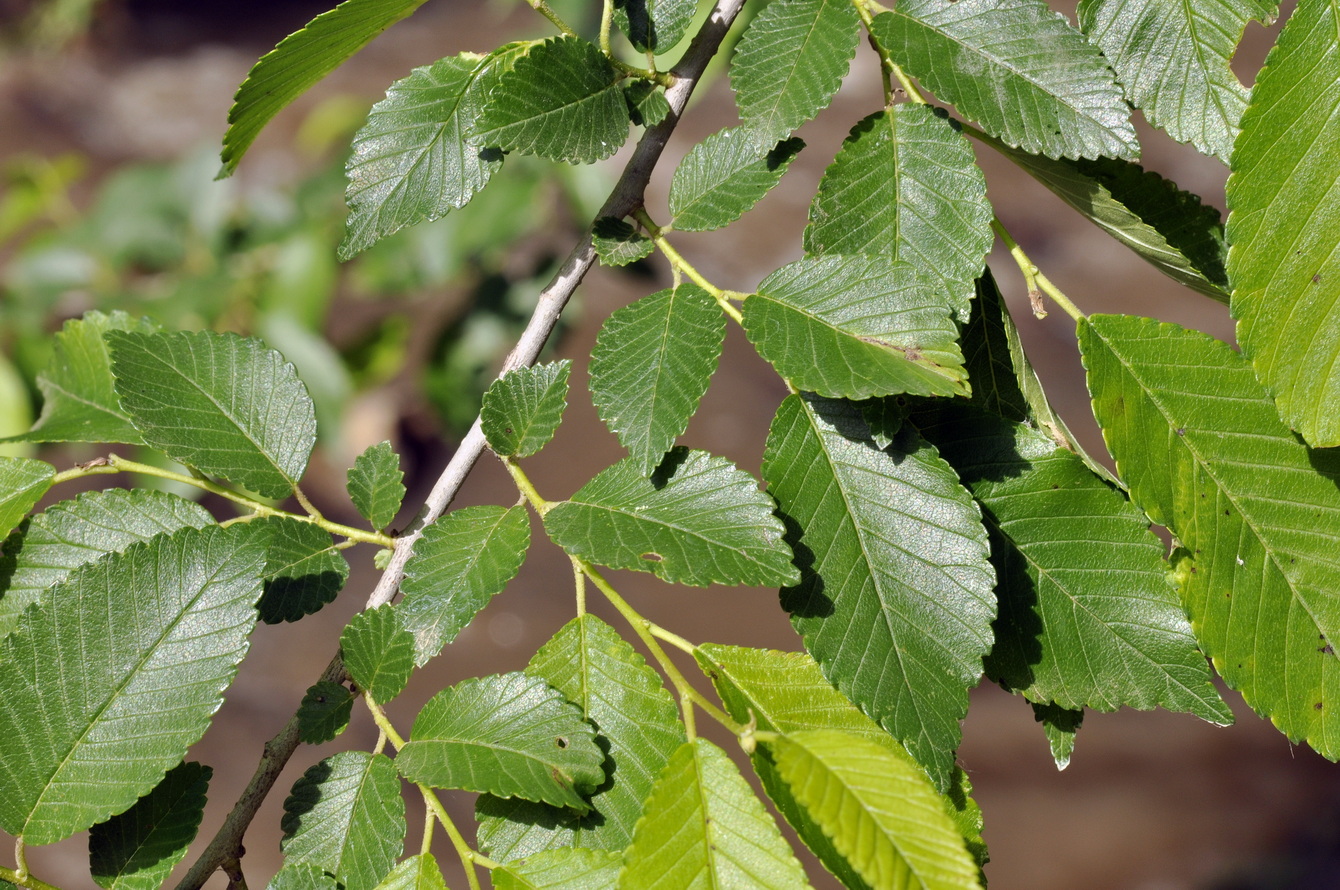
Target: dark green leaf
508	735
461	561
639	729
651	364
790	62
724	176
419	872
217	402
522	409
895	600
855	327
138	849
346	816
300	60
1061	726
1018	69
561	101
1285	223
324	712
376	484
906	186
23	481
303	570
568	868
1204	453
378	652
157	633
647	106
654	25
698	520
617	243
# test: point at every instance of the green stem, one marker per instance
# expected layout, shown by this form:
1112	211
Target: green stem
682	265
867	10
606	20
673	639
429	820
526	487
1037	283
579	582
543	9
21	878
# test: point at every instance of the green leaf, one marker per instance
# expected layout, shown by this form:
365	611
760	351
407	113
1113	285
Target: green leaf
568	868
78	401
879	810
1285	222
523	408
1166	227
413	161
376	484
705	828
1199	443
1018	69
654	25
324	712
419	872
304	570
1061	726
223	404
639	729
698	520
23	481
68	534
1087	615
346	816
378	652
855	327
906	186
459	563
895	600
509	735
138	849
789	63
617	243
302	876
300	60
1173	61
651	364
724	176
561	101
157	633
647	106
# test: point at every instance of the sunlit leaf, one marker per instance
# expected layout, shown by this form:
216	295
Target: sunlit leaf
724	176
419	872
378	653
523	408
23	481
1061	727
654	25
376	484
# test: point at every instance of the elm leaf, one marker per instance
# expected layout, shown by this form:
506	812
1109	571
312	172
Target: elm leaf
376	484
523	408
137	849
724	176
378	653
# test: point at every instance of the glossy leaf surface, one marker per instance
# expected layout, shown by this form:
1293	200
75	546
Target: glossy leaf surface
419	872
1061	727
566	868
376	484
523	408
654	25
724	176
137	849
23	481
617	243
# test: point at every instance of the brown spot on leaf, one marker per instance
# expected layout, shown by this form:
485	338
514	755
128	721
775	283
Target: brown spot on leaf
653	557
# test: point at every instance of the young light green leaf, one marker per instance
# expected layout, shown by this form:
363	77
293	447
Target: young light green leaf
304	570
567	868
300	60
1166	227
78	401
376	484
1061	726
157	632
419	872
651	364
459	563
68	534
654	25
647	105
880	811
789	63
138	849
302	876
856	326
906	186
1285	222
523	408
1087	616
378	652
413	161
1018	69
705	828
346	816
698	520
617	243
324	712
561	101
1204	453
223	404
1173	61
23	481
895	557
508	735
724	176
639	726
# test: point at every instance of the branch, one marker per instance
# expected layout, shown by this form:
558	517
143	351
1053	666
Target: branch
626	197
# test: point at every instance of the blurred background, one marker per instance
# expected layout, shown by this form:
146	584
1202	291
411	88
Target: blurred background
111	115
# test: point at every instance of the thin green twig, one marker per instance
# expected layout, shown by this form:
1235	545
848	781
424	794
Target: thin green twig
681	265
1037	283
